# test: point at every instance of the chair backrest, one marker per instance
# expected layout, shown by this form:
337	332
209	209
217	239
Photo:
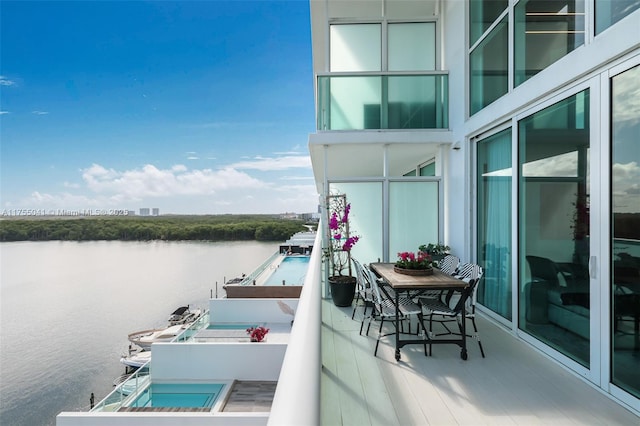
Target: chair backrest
449	264
363	286
543	269
469	272
466	295
380	298
371	279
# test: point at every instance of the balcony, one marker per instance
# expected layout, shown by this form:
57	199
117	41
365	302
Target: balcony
515	384
383	101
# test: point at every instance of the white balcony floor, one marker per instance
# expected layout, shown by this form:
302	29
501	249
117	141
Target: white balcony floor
513	385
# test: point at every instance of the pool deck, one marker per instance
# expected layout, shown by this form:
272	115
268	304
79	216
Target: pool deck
278	333
250	397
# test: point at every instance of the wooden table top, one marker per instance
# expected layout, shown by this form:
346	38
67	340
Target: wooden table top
438	281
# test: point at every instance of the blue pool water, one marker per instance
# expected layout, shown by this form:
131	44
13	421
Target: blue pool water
179	395
230	326
291	270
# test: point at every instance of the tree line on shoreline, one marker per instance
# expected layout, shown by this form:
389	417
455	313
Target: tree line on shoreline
166	228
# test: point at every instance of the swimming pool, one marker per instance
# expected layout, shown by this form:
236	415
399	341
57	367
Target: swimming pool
291	271
231	326
178	395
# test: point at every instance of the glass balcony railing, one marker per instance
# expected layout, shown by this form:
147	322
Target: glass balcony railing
389	101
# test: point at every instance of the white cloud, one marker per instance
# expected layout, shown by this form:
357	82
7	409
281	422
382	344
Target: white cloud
296	178
4	112
153	182
193	158
274	164
558	166
4	81
40	112
626	94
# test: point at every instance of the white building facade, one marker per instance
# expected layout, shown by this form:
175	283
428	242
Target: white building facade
510	131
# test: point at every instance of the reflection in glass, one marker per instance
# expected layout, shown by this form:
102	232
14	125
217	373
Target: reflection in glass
412	46
625	202
482	13
494	222
554	226
608	12
544	32
489	78
355	47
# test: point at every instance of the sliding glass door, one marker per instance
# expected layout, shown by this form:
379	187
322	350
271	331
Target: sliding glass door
554	228
625	238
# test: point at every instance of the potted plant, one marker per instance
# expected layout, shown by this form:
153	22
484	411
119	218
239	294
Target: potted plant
437	251
338	251
257	334
410	263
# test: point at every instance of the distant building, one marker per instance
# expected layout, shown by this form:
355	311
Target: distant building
131	212
288	215
155	211
144	211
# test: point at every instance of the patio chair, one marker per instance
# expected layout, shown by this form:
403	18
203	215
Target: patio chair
363	291
448	265
440	310
384	306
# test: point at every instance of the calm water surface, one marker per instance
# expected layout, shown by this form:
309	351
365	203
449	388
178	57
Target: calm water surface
66	309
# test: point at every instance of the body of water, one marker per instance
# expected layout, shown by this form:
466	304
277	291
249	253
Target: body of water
66	309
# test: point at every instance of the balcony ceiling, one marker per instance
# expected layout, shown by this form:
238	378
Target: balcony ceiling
362	154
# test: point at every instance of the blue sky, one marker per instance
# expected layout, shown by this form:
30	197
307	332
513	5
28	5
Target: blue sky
198	107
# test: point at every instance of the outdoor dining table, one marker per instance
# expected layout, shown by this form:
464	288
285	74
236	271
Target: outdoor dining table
414	286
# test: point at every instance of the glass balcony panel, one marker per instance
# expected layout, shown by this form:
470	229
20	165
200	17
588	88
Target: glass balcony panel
415	102
383	102
412	203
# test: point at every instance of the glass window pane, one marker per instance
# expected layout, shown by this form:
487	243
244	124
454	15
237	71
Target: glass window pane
554	226
625	201
544	32
428	170
608	12
365	217
494	222
412	47
482	13
413	216
355	47
489	68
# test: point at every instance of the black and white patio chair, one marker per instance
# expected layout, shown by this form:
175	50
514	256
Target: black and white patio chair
448	265
440	310
385	310
363	291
